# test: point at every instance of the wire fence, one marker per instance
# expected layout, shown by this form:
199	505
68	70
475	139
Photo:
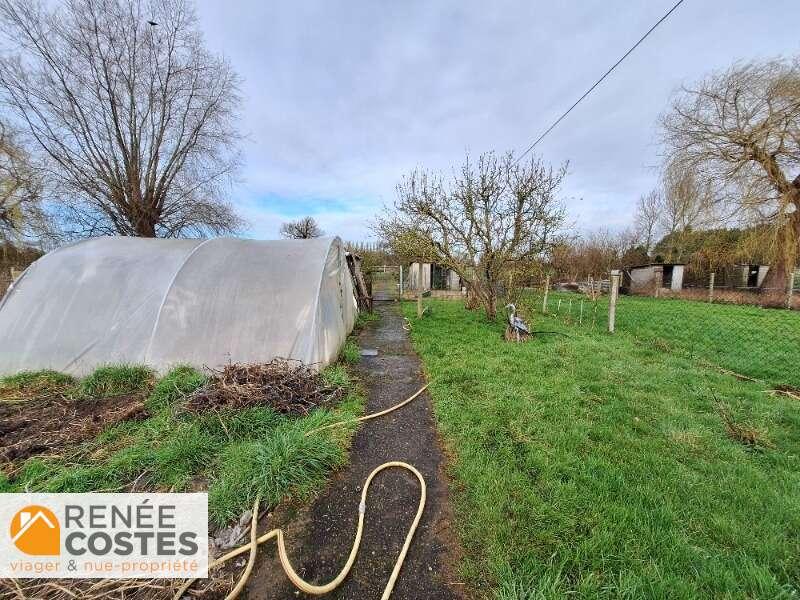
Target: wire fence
739	334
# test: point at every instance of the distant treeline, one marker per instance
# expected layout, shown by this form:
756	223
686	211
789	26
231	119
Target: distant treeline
372	254
18	257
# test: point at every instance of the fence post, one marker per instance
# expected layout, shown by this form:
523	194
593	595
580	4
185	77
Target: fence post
612	300
790	289
546	290
419	302
711	287
401	282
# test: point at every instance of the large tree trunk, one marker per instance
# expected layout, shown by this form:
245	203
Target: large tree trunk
786	245
490	302
473	300
145	228
481	292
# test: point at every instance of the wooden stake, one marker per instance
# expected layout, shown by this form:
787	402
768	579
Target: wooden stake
612	301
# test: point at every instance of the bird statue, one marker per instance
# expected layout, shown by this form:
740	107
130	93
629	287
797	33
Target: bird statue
517	330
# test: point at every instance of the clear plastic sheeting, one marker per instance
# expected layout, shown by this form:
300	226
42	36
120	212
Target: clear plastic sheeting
167	302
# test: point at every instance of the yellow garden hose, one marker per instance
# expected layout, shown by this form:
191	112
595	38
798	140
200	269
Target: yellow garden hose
300	583
373	415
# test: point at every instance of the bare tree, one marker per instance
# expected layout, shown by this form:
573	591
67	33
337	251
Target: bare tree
22	215
302	229
133	118
490	217
647	217
595	253
685	204
740	131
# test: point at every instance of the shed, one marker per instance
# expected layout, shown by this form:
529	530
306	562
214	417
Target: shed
431	276
750	276
649	277
165	302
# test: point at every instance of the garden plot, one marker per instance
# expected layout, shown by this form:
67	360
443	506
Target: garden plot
237	433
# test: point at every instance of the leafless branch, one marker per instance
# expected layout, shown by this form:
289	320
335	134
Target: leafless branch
134	123
489	217
738	132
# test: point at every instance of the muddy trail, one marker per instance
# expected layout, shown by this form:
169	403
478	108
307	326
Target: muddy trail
319	536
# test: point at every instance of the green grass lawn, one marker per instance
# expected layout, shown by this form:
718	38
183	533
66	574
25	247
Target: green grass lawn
762	343
602	466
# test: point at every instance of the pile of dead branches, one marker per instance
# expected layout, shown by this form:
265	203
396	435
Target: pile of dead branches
286	386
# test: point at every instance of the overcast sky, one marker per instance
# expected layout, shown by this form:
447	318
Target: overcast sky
342	98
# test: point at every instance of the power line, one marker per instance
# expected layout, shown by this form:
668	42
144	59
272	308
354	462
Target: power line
606	74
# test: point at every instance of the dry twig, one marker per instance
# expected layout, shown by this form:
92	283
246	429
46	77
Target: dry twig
286	386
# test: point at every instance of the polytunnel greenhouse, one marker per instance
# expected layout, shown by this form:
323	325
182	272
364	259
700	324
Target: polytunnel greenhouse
165	302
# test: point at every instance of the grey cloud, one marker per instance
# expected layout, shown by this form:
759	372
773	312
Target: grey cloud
342	98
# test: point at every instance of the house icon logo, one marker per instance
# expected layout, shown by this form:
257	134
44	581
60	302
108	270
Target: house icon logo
35	531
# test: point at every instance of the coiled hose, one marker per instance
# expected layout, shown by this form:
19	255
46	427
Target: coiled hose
298	581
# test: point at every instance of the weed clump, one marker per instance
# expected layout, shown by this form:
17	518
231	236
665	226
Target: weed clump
661	345
365	317
351	353
744	433
288	460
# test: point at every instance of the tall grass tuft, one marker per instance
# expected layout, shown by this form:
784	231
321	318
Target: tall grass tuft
287	461
28	385
351	353
117	380
174	386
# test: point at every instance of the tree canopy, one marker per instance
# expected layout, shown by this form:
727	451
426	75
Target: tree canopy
22	215
302	229
738	132
492	215
131	119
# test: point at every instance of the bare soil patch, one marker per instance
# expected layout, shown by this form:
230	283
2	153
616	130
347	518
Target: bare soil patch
52	425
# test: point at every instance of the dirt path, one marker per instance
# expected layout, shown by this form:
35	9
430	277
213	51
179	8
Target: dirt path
320	536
